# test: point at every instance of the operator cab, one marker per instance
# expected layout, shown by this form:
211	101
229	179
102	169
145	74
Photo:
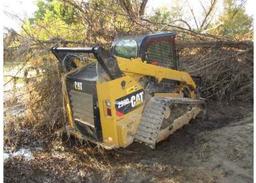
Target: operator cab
157	49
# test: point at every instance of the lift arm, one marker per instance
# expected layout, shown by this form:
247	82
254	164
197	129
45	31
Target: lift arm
137	66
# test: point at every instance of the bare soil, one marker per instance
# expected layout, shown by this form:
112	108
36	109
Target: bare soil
219	149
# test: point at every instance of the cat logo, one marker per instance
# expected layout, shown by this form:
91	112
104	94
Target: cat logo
78	85
129	102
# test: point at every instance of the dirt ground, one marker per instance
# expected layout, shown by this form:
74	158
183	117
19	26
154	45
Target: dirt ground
219	149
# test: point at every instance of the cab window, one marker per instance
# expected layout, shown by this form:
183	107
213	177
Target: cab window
126	48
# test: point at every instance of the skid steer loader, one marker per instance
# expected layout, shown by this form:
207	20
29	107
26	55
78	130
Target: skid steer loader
134	92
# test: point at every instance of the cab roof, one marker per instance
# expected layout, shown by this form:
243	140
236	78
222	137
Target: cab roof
141	39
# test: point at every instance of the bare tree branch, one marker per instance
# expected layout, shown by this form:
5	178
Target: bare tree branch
183	21
192	12
202	5
211	8
142	7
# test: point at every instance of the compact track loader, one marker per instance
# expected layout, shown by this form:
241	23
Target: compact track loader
134	92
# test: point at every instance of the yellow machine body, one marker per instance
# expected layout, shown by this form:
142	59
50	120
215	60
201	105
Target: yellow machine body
119	131
119	102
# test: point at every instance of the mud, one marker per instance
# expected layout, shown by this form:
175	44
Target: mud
218	149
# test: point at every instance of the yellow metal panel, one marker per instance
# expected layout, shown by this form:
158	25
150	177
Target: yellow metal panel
114	128
70	120
127	126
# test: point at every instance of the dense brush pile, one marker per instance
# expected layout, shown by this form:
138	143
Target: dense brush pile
42	103
226	71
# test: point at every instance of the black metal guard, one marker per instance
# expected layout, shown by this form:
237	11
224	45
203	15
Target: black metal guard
105	59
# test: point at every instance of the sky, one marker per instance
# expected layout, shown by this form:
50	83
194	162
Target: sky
26	8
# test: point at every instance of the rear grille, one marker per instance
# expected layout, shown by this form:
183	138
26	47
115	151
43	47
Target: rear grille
82	107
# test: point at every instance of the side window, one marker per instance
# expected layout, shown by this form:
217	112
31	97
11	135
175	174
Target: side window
126	48
160	52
